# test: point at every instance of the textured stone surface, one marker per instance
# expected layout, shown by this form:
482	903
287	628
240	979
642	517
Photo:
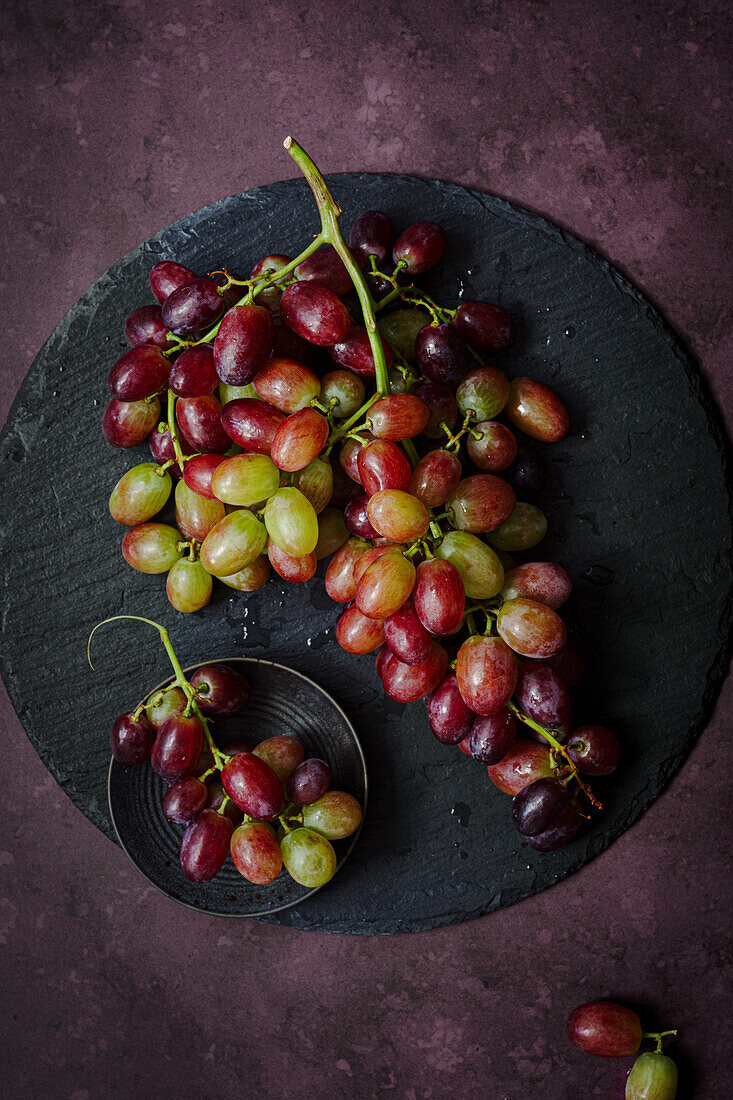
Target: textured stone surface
612	120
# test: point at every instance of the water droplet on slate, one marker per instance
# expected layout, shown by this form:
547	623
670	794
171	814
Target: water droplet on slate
599	575
570	332
462	854
585	435
462	813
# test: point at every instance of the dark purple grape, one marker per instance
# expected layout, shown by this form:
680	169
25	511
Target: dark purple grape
309	782
562	830
372	235
192	307
215	795
419	247
492	736
315	313
251	423
145	326
542	693
177	747
220	689
167	276
128	423
161	448
483	326
594	750
450	719
442	404
184	800
205	846
286	344
357	520
536	808
569	662
442	354
193	373
199	419
139	373
344	488
131	740
527	474
243	344
354	352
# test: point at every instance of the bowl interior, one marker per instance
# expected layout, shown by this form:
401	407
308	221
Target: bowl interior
281	701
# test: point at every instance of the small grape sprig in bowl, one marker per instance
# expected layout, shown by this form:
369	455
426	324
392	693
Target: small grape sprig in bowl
326	406
265	805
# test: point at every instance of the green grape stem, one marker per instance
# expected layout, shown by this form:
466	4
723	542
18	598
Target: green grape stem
557	748
657	1037
330	212
180	680
173	429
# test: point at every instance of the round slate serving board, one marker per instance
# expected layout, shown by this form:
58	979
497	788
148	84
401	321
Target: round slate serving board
638	506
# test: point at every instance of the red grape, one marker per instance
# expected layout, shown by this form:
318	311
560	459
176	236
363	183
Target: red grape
538	805
442	405
198	472
406	683
326	268
139	373
193	374
196	515
605	1029
435	478
234	543
419	247
382	465
184	800
530	628
484	326
145	326
372	234
250	577
162	450
315	313
537	411
340	582
251	423
131	739
299	439
129	423
253	786
205	846
543	696
400	416
492	736
309	782
594	750
450	719
281	753
481	503
406	636
349	458
315	482
356	633
177	747
220	689
151	547
354	352
439	596
166	276
172	702
192	307
397	515
243	344
357	519
486	670
199	419
385	585
294	569
525	762
287	385
543	581
256	853
494	449
270	265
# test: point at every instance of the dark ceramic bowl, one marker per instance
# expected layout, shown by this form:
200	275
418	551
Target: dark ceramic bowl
281	701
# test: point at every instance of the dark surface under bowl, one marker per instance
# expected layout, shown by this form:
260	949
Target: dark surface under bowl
639	511
281	701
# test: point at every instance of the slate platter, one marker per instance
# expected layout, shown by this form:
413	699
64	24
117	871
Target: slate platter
639	511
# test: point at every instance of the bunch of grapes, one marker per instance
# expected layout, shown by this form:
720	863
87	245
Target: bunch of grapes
267	806
374	437
613	1031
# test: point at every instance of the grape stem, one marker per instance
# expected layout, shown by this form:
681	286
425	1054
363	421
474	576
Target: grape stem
179	681
330	212
557	748
658	1036
172	428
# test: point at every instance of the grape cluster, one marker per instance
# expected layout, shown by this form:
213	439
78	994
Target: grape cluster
334	408
267	806
611	1030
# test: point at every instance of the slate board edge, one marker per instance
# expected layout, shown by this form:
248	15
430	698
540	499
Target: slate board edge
514	213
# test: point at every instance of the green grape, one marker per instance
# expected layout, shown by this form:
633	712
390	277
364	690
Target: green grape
308	857
139	494
251	578
151	547
315	482
245	479
332	532
342	391
335	815
235	542
233	393
188	585
653	1077
526	526
291	522
400	329
483	393
481	571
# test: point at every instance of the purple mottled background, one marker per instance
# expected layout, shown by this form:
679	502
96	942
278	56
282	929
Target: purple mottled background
612	118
